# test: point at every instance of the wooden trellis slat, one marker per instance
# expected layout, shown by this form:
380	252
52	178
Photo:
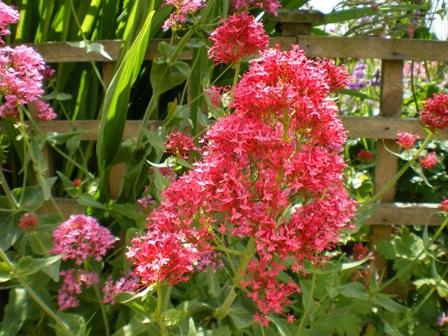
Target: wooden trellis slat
357	127
314	46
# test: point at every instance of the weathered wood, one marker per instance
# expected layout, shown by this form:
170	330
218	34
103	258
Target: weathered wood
370	47
391	100
314	46
386	214
357	127
298	16
390	106
61	52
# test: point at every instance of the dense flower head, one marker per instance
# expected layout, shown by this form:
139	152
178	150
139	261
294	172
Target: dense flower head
238	37
28	221
407	140
80	238
180	144
429	161
21	76
112	288
8	15
163	256
73	283
182	8
435	112
337	75
270	6
271	175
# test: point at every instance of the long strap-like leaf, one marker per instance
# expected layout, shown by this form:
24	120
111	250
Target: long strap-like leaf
115	107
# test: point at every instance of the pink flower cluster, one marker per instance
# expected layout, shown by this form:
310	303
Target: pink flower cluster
8	16
28	221
435	112
22	72
182	8
444	205
271	176
80	238
180	144
429	161
270	6
407	140
239	36
74	281
113	288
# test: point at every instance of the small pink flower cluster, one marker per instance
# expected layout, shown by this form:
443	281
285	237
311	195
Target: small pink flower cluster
444	205
270	6
113	288
74	281
435	112
183	8
180	144
429	161
239	36
8	16
407	140
28	221
22	72
80	238
271	175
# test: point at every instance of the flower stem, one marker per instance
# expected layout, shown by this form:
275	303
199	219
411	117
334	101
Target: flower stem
30	291
308	306
8	191
397	176
159	310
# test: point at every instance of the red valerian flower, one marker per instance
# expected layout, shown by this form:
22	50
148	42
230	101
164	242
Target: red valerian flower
112	288
8	15
360	251
337	75
435	112
73	283
270	6
180	144
444	205
270	175
429	161
81	237
21	78
182	8
407	140
238	37
364	155
28	221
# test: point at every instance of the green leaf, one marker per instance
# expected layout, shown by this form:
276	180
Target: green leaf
191	328
241	317
28	265
75	322
283	327
173	317
32	197
115	108
9	231
355	290
88	201
5	272
166	76
17	311
387	303
131	211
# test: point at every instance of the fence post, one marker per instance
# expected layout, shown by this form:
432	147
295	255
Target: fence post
386	163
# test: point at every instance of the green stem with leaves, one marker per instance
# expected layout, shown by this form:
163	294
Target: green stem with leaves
397	176
30	291
307	307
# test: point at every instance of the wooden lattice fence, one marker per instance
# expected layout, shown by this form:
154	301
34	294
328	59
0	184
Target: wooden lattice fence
295	29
